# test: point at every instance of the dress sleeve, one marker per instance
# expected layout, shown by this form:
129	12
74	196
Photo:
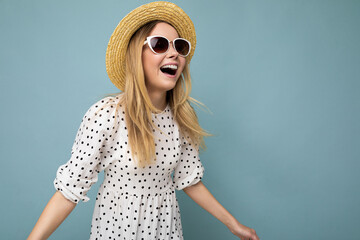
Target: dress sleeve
89	153
189	170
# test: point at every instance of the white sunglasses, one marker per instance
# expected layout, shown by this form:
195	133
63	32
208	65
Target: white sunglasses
160	45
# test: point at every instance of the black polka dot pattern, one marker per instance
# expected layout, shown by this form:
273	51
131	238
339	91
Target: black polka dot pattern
132	202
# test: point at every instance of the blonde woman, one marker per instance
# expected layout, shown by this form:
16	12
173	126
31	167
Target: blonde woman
139	137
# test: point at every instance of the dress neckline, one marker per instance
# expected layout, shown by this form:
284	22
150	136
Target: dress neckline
163	112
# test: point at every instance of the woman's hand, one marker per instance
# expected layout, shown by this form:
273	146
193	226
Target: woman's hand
243	232
202	196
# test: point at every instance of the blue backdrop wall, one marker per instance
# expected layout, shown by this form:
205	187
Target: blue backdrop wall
281	79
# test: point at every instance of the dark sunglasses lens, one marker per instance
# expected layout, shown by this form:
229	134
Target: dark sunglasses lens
182	47
159	44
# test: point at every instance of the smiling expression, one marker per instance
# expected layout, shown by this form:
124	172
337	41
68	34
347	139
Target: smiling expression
155	79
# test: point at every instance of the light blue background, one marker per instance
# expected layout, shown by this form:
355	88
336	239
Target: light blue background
281	79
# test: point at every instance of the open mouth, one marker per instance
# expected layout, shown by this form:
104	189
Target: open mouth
169	69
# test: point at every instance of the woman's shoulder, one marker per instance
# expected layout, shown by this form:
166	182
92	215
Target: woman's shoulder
109	100
106	108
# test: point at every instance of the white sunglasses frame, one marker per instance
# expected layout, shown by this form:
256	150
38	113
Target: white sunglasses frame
169	42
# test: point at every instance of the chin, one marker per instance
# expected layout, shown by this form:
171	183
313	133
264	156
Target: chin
167	87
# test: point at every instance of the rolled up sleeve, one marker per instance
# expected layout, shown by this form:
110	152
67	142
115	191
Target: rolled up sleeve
75	178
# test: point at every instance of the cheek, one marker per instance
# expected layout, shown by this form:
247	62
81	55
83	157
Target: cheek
152	62
183	62
147	65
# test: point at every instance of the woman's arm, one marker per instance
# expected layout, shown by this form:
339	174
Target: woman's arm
55	212
201	195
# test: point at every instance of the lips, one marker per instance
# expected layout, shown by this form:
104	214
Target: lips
169	69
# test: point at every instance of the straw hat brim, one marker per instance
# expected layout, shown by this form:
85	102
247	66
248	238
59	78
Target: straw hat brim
119	40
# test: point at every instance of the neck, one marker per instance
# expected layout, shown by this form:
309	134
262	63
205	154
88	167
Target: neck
158	99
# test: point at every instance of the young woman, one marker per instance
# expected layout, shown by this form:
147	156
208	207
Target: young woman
139	137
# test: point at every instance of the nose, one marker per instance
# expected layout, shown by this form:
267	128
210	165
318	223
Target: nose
172	52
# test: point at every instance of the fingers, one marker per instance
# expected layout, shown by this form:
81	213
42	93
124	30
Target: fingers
253	236
246	233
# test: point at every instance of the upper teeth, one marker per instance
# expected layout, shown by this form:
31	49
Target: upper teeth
170	66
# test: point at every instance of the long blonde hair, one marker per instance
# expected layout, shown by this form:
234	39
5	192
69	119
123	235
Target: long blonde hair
138	105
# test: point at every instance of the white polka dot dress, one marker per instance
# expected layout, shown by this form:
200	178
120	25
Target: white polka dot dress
131	203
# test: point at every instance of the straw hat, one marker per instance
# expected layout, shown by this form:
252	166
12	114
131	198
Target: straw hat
119	40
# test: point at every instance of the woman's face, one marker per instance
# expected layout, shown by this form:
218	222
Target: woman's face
157	81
